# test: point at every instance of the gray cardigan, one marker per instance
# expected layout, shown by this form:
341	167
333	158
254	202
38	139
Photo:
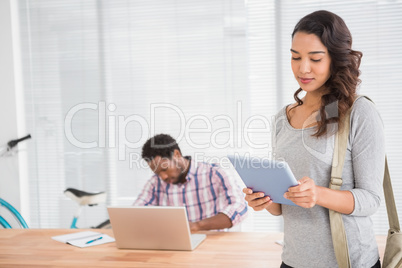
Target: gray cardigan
307	240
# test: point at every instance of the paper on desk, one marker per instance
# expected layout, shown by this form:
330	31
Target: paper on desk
80	239
279	242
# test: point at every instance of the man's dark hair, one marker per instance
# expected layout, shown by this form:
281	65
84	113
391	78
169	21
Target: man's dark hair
162	145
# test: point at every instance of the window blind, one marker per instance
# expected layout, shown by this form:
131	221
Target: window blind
131	69
101	77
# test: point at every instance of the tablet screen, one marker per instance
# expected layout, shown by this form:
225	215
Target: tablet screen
271	177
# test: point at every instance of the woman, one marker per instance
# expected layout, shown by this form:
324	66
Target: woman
327	70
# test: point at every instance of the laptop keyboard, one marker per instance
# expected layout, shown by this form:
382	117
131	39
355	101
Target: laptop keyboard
196	239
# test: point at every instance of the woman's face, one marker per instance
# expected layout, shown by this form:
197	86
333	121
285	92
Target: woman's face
310	62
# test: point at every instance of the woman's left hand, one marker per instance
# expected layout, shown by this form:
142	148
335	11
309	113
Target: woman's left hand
305	194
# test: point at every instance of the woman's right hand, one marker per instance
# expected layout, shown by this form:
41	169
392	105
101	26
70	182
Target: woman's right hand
258	201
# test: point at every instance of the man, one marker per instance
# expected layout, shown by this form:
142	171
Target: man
212	199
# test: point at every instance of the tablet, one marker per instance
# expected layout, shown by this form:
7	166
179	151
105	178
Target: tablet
263	175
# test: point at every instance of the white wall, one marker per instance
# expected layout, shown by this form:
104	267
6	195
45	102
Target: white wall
9	175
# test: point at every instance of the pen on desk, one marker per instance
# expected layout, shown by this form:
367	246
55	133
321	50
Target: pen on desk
93	240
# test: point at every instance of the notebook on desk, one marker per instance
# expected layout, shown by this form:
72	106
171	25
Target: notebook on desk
161	228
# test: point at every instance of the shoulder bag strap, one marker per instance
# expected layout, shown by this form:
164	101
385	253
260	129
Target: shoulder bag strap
337	228
390	200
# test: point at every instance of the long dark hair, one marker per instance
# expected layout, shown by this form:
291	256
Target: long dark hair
345	62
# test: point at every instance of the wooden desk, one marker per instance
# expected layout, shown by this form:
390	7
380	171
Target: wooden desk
35	248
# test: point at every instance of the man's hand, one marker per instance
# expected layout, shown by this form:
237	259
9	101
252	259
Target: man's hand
194	226
219	221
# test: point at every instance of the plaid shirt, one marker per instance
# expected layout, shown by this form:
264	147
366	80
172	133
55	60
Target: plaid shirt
207	192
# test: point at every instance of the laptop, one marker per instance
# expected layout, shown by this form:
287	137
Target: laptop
153	227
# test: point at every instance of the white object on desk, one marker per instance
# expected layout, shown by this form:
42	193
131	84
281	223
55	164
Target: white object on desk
84	239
